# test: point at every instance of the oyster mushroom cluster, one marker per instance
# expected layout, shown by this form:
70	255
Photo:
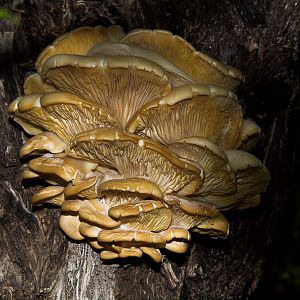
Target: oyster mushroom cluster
140	138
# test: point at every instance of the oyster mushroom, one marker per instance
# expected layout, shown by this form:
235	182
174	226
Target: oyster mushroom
134	156
189	110
178	51
79	42
137	137
121	84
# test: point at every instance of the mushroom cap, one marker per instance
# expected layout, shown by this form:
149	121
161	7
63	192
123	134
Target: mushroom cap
178	51
53	168
106	255
71	205
89	231
79	41
153	253
218	176
188	111
130	252
176	233
64	114
50	194
70	224
34	84
148	215
177	246
44	142
252	178
175	74
94	216
217	227
122	84
249	134
133	185
123	235
134	156
82	189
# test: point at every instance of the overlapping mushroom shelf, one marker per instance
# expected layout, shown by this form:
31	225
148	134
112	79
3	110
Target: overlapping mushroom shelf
140	139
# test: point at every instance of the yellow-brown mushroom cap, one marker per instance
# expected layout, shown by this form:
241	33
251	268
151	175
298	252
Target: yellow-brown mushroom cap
120	150
178	51
191	111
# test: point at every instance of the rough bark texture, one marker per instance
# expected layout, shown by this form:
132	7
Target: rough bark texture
257	37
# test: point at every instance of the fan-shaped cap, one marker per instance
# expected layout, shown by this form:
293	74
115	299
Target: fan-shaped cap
199	66
252	178
92	215
70	226
79	41
188	111
177	246
83	188
120	151
218	176
176	75
50	194
153	253
89	231
121	83
217	227
249	134
64	114
43	142
34	84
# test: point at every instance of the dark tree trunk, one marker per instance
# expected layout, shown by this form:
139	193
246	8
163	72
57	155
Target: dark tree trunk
257	37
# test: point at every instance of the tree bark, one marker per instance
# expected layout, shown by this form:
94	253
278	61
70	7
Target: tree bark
257	37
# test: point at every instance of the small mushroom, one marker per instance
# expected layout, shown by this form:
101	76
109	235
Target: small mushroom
49	194
188	111
217	227
89	231
130	252
79	41
43	142
249	135
34	84
153	253
252	178
177	246
93	216
70	224
83	189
